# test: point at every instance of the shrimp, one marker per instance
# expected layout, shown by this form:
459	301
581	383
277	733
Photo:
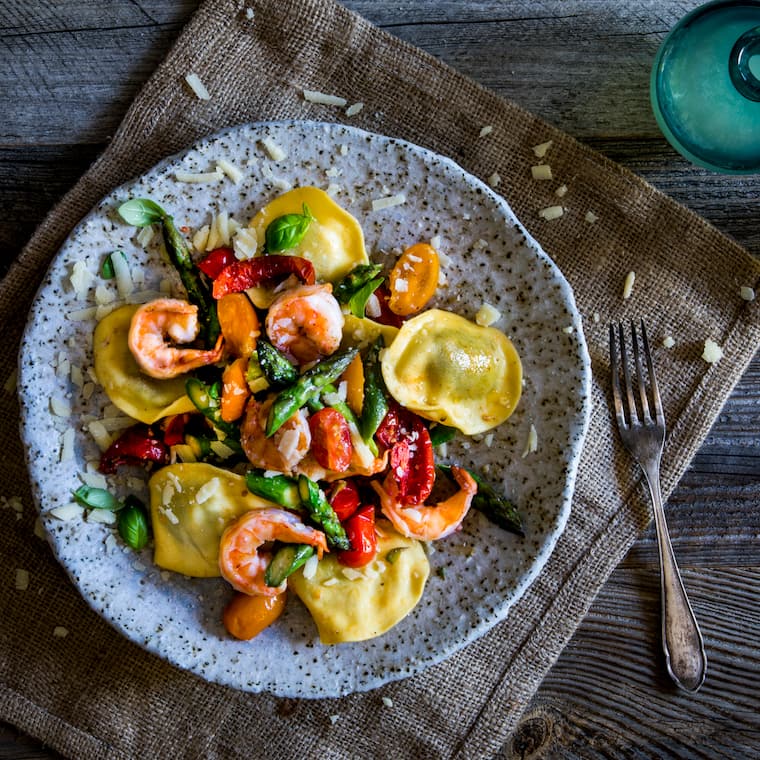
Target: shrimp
428	522
153	324
285	449
305	322
242	563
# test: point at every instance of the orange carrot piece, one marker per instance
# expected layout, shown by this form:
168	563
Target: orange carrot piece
235	390
239	323
354	377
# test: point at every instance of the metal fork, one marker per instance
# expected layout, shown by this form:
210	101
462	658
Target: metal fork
644	436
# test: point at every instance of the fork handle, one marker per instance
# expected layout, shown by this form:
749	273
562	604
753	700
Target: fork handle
681	639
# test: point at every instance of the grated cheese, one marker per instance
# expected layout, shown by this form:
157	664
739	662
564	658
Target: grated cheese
104	516
486	131
712	353
747	293
67	512
630	278
145	236
591	217
201	178
541	171
668	342
276	153
207	490
124	284
22	579
99	434
541	149
60	407
67	446
200	238
244	243
531	445
60	632
387	701
195	84
494	180
310	567
388	201
354	109
81	278
561	191
313	96
551	212
221	449
487	315
230	170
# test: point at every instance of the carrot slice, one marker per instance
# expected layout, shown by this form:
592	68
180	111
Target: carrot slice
239	323
414	279
235	390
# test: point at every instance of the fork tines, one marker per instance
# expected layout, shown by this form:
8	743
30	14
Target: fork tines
626	394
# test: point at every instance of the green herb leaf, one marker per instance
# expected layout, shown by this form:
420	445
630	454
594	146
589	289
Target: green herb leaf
287	231
106	270
97	498
355	280
133	526
140	212
358	301
441	434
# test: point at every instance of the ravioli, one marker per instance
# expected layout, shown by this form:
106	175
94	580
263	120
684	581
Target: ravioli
334	241
453	371
385	592
190	505
361	331
144	398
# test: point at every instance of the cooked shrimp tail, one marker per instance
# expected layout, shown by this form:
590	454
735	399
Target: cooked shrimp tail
242	561
427	522
155	328
305	322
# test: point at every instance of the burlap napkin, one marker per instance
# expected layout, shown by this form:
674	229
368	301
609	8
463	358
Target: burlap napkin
93	694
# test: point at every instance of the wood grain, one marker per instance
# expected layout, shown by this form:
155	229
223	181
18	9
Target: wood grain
67	75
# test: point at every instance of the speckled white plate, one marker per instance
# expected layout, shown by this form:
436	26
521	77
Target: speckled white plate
492	258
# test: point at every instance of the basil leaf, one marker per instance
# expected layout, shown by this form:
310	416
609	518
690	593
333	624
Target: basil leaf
97	498
358	301
106	270
392	555
133	526
441	434
140	212
287	231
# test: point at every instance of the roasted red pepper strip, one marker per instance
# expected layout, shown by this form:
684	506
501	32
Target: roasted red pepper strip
135	446
411	459
344	498
360	529
261	270
174	429
213	264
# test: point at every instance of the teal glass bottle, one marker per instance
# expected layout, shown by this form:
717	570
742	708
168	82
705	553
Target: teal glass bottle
705	86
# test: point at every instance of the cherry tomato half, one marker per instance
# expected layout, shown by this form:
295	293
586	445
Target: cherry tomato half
360	529
137	445
331	439
344	498
213	263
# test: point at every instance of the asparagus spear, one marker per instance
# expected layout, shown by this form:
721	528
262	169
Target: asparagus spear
308	386
274	364
286	561
280	489
141	212
497	508
322	513
206	400
375	404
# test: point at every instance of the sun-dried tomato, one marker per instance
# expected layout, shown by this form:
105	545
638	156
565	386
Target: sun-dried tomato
412	465
174	429
261	270
213	264
135	446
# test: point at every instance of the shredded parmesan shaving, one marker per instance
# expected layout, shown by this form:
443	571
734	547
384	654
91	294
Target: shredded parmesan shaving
668	342
551	212
541	149
203	177
276	153
487	315
531	445
313	96
486	131
541	171
747	293
713	353
630	278
195	84
354	109
230	170
388	201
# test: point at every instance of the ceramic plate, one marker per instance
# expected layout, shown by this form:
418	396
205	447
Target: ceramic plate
489	257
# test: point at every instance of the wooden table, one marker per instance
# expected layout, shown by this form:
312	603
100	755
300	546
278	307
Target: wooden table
68	72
